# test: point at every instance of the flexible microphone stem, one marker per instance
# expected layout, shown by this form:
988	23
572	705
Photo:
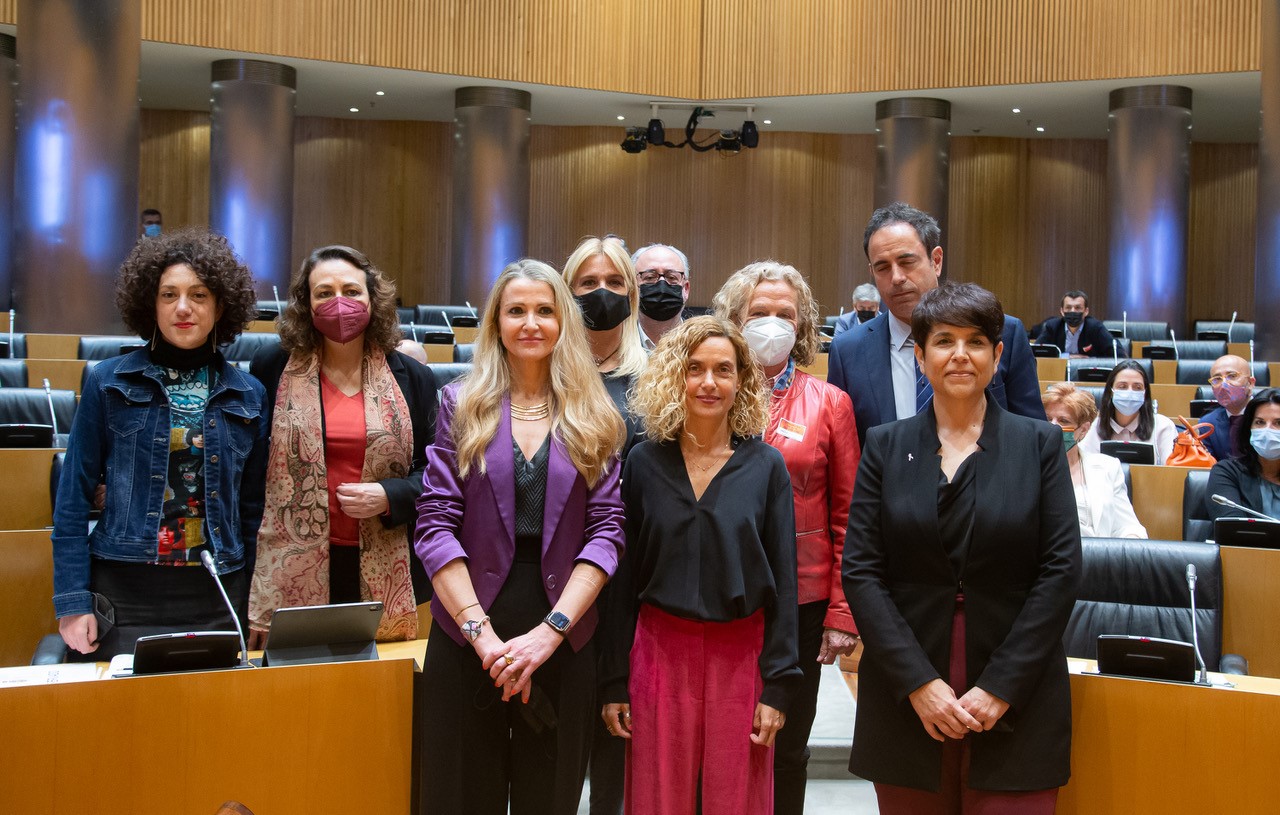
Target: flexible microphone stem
48	397
1231	324
1195	639
1174	337
207	559
1223	501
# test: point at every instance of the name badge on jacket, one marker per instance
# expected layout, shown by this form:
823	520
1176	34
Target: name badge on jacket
791	430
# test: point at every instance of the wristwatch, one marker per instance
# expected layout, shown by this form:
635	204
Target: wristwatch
559	622
471	628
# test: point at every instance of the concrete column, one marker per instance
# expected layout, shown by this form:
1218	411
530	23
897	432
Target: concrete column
490	187
1266	281
76	173
913	153
1148	189
8	146
251	165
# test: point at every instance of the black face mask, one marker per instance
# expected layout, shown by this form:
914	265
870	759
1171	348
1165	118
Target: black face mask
603	309
660	300
1074	318
866	314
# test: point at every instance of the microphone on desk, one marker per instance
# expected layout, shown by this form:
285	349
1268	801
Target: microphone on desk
1231	324
1195	639
207	559
1222	501
48	397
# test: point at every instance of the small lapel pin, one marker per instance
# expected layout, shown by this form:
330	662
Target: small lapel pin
910	457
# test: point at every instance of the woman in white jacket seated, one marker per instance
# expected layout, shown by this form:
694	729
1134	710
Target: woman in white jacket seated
1102	502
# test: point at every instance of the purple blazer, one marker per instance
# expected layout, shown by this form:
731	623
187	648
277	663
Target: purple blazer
474	519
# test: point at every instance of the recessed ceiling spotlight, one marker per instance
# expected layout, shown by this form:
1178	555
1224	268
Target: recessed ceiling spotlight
1017	110
380	93
622	118
768	121
1039	129
354	110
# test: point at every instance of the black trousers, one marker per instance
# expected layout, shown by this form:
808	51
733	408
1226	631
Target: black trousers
479	753
791	747
150	599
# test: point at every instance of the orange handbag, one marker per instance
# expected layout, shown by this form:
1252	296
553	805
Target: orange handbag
1189	449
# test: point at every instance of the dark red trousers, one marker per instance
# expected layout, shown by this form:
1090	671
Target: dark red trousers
694	688
955	797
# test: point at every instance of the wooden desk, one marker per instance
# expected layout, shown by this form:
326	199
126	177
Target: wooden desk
1049	369
26	594
818	368
465	334
24	489
53	346
1157	499
1251	607
1174	400
306	739
438	352
1152	747
63	374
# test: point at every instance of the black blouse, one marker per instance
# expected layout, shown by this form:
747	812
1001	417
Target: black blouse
716	559
955	511
617	388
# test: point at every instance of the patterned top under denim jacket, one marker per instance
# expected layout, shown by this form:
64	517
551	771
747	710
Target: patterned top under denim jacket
121	438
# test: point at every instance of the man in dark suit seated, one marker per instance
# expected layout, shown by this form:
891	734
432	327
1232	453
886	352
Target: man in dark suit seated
874	362
1232	383
1074	331
866	305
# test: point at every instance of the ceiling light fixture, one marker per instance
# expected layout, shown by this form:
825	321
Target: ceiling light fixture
354	110
1017	110
380	93
1039	129
767	121
728	142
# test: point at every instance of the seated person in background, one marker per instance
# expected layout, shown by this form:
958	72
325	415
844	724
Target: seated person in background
1102	502
414	350
1074	331
1232	386
1128	414
866	304
1253	479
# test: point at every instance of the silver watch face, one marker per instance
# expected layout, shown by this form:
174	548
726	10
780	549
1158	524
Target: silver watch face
558	621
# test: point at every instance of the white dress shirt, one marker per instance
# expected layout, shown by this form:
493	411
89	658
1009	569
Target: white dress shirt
902	364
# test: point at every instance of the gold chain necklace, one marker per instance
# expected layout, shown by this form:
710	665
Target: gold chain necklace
714	456
533	413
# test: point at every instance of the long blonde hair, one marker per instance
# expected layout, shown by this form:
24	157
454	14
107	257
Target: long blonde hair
659	394
582	415
631	355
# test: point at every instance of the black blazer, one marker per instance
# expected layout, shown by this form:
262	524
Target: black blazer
1231	479
1095	339
1020	583
417	384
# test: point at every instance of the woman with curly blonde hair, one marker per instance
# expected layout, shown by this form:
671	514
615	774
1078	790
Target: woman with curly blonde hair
811	423
519	527
704	606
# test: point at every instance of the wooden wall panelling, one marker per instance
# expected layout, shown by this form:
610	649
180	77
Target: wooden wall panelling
382	187
1222	231
843	191
173	166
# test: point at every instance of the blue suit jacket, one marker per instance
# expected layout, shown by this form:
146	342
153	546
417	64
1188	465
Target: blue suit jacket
859	365
1219	444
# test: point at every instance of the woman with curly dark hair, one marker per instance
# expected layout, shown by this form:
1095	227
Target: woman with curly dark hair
350	421
168	500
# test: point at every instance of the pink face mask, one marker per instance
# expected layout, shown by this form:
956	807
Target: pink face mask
1229	394
341	319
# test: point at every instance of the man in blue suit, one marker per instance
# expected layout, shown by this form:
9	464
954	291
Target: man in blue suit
874	362
1232	383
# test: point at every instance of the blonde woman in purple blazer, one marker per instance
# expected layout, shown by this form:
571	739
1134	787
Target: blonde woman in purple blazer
519	527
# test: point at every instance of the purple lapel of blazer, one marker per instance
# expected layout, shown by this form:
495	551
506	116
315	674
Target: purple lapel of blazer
500	463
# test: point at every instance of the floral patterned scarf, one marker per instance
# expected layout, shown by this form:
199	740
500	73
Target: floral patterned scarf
293	543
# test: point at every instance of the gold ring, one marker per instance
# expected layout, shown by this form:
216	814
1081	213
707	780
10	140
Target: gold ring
510	659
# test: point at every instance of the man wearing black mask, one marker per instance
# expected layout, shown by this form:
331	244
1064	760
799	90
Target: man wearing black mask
663	272
1074	331
866	305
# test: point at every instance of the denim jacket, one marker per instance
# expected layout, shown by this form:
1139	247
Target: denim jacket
121	438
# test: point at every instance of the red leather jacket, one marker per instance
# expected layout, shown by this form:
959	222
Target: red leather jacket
812	425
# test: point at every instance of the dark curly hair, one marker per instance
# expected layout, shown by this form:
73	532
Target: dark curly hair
210	256
297	334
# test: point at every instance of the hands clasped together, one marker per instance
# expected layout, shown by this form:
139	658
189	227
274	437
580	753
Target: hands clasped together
944	716
513	662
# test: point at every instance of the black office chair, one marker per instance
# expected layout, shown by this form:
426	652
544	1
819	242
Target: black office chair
446	372
243	347
13	347
464	351
271	309
1197	525
1139	331
31	406
1097	370
1218	330
1139	588
435	315
13	373
1196	372
106	347
432	334
1185	350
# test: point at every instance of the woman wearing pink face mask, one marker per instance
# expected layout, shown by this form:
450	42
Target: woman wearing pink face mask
343	475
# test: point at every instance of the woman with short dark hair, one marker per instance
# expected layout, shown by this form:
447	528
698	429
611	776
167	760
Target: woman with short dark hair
961	566
351	418
1253	478
177	435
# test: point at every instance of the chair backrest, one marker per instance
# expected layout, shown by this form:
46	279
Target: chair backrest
1197	524
17	348
1262	374
31	406
1194	372
1093	390
446	372
1128	480
464	351
435	334
830	320
1240	332
270	309
13	373
105	347
1097	370
1142	331
434	315
407	313
243	347
1139	587
1200	349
